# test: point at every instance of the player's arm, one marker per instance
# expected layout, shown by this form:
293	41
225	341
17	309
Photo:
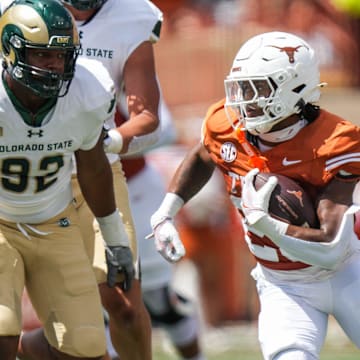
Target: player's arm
96	183
142	96
95	179
164	135
191	175
324	246
332	204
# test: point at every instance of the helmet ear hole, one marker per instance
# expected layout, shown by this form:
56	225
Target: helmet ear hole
273	83
299	88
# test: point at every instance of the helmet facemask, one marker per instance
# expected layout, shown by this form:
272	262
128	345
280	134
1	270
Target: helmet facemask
254	100
44	83
280	62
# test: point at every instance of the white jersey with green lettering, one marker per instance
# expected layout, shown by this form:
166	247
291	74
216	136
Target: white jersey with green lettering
114	32
36	162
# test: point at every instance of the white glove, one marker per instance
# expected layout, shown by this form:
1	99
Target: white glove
255	204
167	239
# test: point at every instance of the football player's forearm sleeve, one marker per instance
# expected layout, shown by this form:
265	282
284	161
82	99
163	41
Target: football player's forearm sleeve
326	255
140	143
113	230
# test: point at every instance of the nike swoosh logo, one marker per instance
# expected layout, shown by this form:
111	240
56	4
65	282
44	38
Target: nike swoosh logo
287	162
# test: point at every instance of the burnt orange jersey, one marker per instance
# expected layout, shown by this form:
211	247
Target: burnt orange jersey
312	157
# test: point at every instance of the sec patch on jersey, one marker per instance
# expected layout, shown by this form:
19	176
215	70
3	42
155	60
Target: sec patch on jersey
289	201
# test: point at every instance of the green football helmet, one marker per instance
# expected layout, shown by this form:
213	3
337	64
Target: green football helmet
38	24
85	4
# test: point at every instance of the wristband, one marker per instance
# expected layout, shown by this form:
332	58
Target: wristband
113	142
113	230
144	142
171	205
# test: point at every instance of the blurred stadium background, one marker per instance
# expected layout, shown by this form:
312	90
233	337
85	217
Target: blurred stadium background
199	40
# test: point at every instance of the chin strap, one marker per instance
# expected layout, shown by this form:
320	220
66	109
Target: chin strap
255	159
284	134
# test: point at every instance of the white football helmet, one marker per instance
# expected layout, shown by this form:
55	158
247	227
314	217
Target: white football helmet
283	64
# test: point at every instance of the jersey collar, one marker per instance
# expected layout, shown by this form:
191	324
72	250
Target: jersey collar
30	118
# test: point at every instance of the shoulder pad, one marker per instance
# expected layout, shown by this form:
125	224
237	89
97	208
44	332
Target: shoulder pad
92	87
216	121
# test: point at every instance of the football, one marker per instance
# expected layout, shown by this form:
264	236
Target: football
289	201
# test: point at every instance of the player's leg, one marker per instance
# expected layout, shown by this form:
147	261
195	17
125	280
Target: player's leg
345	287
130	325
175	314
288	320
294	354
59	282
129	321
30	321
8	347
12	284
34	346
146	191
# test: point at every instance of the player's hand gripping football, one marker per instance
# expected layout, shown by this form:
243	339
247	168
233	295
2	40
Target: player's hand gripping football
119	259
166	237
255	203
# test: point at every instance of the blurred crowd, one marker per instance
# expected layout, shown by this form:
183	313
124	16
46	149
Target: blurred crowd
200	38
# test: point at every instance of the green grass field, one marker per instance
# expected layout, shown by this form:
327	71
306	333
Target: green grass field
239	342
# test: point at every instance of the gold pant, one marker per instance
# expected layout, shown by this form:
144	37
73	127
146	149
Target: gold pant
49	258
